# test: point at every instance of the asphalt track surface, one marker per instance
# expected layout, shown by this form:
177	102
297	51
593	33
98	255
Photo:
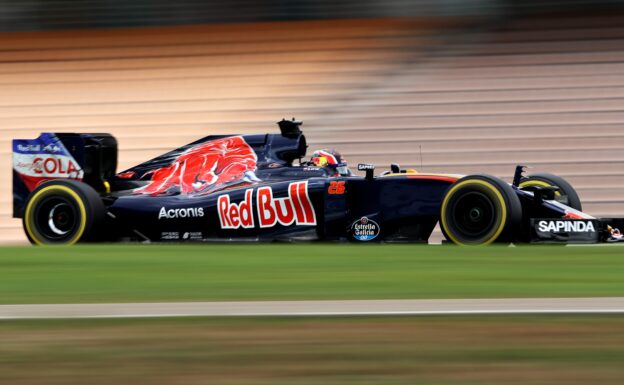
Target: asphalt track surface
319	308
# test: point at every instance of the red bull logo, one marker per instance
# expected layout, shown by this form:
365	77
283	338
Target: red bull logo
205	168
295	208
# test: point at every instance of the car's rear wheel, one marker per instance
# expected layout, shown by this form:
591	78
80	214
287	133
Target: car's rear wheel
566	194
63	212
479	210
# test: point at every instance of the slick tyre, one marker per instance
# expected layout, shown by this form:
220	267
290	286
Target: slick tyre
566	194
63	212
479	210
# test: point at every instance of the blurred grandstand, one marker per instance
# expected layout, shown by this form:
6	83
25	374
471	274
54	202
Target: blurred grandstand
461	86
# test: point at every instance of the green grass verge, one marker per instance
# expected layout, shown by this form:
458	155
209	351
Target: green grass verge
125	273
306	351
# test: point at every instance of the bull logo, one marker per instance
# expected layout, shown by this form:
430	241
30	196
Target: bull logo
205	168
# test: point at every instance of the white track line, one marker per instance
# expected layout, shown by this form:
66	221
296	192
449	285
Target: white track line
608	305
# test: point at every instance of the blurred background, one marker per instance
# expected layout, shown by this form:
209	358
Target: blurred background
461	86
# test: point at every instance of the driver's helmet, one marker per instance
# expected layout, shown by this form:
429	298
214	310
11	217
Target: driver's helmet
332	160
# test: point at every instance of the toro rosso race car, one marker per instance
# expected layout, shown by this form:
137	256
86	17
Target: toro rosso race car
261	188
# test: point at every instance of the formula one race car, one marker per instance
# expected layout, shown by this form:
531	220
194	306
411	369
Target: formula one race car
259	187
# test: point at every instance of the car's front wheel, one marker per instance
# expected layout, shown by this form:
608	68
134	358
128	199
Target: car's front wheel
479	210
566	194
63	212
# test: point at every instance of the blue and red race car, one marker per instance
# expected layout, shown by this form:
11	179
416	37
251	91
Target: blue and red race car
261	188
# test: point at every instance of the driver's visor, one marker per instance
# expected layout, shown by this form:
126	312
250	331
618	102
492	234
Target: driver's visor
342	169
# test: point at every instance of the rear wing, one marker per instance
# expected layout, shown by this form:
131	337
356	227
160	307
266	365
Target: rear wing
90	158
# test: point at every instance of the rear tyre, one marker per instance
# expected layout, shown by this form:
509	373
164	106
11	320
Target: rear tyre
63	212
566	194
479	210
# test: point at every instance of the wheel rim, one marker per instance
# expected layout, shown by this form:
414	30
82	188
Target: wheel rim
473	215
56	218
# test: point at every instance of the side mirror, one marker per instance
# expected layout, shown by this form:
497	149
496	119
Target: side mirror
541	194
369	168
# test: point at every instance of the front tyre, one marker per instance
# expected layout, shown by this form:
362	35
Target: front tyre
479	210
566	194
63	212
